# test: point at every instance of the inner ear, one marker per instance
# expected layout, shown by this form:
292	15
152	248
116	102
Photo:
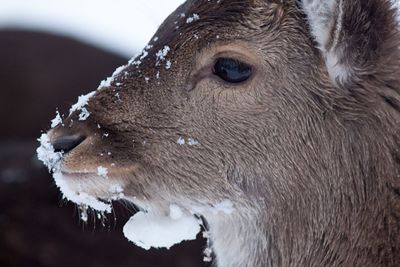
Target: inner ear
354	36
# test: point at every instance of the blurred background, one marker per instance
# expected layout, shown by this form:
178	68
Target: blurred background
50	53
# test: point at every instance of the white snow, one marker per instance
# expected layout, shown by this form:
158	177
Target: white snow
107	82
194	17
80	198
190	141
57	120
81	105
102	171
207	255
52	160
84	215
117	192
181	141
148	230
47	155
193	142
161	54
168	64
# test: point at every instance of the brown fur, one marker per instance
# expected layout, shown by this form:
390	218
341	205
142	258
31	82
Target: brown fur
312	166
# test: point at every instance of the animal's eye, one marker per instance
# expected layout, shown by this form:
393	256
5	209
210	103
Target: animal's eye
232	70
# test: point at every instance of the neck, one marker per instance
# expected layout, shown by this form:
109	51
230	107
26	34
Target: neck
238	240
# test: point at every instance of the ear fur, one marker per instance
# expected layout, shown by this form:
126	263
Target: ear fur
354	36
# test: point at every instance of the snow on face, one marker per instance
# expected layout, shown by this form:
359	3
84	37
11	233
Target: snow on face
194	17
107	82
144	229
102	171
81	105
80	198
57	120
161	54
116	192
148	230
52	160
47	155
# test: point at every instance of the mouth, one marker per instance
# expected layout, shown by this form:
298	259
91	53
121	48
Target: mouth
160	225
80	197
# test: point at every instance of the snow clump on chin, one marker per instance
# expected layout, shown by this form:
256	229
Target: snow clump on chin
150	229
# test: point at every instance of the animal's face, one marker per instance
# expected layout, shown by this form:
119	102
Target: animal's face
212	104
290	109
243	100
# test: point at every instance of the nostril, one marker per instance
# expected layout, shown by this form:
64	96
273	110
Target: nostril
67	143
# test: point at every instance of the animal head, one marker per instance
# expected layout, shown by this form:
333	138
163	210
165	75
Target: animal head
289	109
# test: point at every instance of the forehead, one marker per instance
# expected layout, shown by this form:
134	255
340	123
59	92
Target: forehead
198	24
204	20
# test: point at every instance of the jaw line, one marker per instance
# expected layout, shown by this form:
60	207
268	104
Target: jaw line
80	198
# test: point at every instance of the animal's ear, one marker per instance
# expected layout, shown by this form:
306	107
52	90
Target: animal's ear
356	37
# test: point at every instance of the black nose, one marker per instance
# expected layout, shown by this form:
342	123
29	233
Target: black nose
67	143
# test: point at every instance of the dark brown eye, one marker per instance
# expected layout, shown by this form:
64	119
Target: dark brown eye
232	70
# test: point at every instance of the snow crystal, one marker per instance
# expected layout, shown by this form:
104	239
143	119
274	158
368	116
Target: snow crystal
161	54
117	192
118	97
84	114
192	142
57	120
194	17
181	141
47	155
80	105
84	215
168	64
102	171
189	141
107	82
144	55
207	255
153	230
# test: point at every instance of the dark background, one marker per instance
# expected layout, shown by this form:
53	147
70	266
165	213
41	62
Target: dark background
40	72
